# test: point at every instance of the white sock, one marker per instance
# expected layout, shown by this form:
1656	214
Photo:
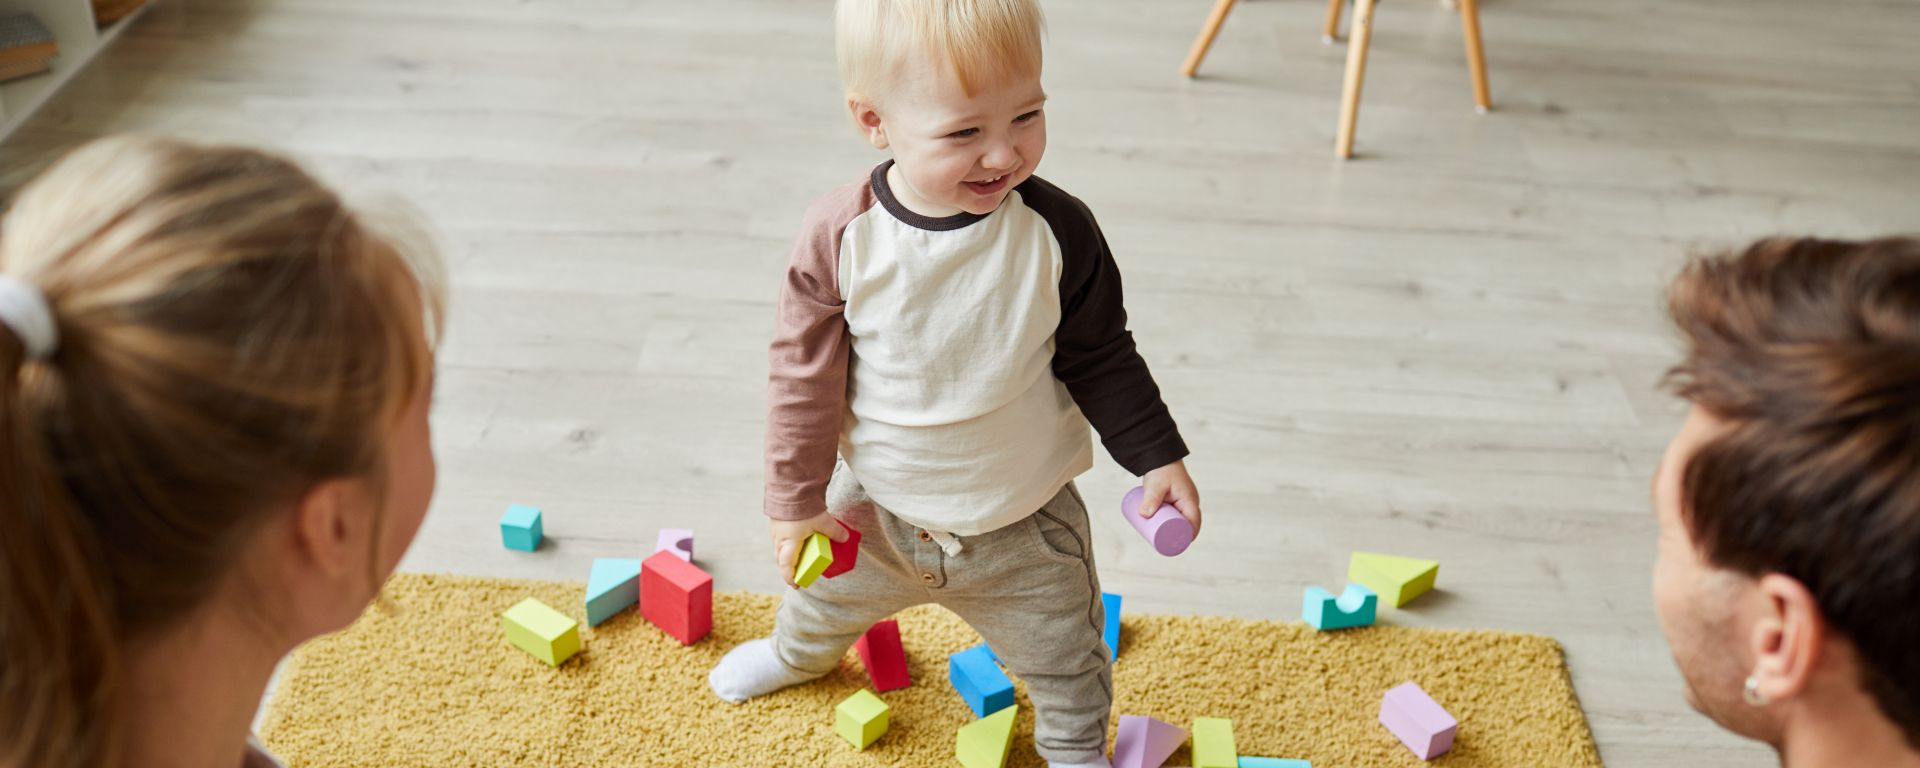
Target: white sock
752	669
1099	763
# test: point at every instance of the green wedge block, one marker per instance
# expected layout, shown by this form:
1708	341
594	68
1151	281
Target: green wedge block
984	743
815	556
1398	580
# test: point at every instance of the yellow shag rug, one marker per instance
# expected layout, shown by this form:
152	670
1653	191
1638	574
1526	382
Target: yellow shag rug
427	678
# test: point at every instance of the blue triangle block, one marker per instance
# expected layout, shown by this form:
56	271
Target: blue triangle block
611	588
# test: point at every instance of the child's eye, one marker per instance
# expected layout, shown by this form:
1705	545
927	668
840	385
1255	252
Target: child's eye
1027	117
963	133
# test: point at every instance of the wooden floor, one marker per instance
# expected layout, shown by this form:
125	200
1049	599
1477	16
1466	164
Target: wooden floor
1447	347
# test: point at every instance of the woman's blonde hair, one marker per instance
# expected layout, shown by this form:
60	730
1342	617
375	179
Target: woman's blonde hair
230	335
985	41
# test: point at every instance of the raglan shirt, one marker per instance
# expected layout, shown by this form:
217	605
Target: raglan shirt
954	363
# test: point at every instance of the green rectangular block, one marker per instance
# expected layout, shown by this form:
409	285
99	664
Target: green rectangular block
1213	743
544	632
861	719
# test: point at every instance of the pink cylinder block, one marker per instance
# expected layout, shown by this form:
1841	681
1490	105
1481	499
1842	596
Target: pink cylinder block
1168	531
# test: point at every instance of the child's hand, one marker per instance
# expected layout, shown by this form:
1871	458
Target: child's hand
1171	485
790	535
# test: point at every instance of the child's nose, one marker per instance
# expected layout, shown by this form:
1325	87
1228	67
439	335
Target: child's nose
1001	157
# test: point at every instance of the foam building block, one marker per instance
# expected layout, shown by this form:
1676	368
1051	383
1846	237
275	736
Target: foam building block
1396	579
881	653
1143	742
544	632
1273	762
845	553
676	596
520	528
984	743
861	719
978	680
1418	721
612	586
1111	633
679	541
1356	607
1213	743
815	556
1168	531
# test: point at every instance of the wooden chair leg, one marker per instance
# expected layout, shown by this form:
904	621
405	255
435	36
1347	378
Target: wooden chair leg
1205	40
1476	56
1333	22
1356	74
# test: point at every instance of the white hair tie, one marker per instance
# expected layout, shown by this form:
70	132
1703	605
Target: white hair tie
24	310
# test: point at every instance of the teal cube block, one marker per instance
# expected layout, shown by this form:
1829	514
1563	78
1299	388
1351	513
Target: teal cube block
520	528
1273	762
612	587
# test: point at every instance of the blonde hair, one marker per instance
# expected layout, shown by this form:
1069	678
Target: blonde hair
230	335
984	41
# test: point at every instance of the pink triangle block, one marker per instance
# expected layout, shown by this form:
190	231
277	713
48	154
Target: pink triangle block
1418	720
1144	742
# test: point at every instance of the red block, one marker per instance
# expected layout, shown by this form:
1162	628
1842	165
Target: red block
844	553
885	660
676	596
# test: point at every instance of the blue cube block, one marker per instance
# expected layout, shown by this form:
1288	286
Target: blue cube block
1354	608
1112	633
1273	762
520	528
978	680
612	586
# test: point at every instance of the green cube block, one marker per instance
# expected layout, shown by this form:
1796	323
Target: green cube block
1213	743
544	632
861	719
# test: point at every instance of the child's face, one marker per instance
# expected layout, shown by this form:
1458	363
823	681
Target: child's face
955	152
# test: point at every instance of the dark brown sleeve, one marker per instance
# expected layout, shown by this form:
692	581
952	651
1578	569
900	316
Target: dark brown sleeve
1094	354
807	362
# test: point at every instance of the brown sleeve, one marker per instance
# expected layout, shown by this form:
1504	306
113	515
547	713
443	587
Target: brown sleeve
1094	353
807	362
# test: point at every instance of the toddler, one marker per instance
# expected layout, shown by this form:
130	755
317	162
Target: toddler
948	327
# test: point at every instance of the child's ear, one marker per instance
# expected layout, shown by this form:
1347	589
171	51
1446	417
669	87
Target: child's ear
867	118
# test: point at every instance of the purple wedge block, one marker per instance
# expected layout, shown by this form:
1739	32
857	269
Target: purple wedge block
1144	742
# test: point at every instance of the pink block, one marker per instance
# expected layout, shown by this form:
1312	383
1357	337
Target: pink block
1168	531
1418	720
679	541
1144	742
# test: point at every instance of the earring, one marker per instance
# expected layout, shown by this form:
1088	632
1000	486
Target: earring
1751	693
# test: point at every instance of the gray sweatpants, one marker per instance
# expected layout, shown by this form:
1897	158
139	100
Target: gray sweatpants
1030	589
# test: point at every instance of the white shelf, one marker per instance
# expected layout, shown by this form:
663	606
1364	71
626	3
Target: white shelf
71	22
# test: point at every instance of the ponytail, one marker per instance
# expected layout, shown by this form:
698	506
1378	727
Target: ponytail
56	682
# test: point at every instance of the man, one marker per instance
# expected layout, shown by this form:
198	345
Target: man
1788	576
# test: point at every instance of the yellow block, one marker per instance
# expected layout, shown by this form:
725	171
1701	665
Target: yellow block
984	743
1213	743
861	719
1398	580
815	556
544	632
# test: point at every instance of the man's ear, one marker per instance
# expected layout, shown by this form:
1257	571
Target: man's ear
1788	638
324	529
866	117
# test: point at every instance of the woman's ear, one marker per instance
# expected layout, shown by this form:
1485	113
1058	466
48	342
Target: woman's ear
325	530
1787	639
866	116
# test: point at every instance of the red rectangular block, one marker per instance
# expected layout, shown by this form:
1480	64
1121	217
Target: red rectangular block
677	597
880	652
